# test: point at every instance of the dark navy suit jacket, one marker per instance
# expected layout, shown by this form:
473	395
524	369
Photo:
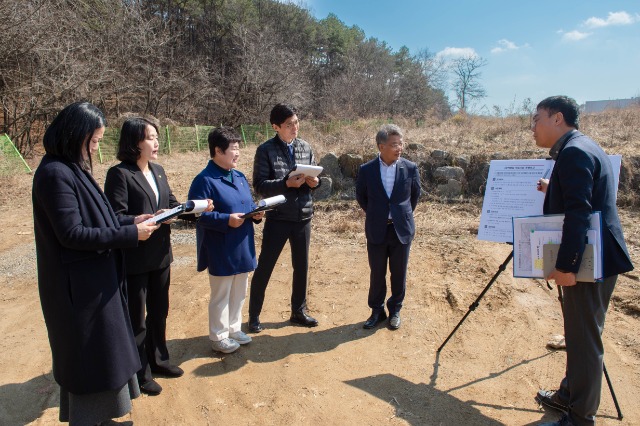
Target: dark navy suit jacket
373	199
582	182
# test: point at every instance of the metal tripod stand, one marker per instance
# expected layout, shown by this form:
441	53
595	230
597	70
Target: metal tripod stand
476	303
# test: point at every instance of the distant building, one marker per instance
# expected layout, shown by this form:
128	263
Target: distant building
599	106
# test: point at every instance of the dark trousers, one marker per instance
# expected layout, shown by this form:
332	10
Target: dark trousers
150	290
585	308
274	236
396	254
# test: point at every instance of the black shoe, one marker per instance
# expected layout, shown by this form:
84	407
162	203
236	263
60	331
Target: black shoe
254	325
551	399
167	370
151	388
376	318
394	321
303	319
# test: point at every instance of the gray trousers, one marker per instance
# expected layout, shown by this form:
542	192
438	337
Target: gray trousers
585	308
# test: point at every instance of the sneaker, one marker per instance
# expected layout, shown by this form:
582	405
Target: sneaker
226	346
240	337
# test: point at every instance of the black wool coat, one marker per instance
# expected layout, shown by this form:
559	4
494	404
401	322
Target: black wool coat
81	279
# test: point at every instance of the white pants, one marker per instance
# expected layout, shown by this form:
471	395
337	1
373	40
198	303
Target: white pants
225	306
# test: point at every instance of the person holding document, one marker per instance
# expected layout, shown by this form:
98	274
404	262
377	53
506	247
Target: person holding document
387	189
224	239
290	221
582	181
81	276
133	187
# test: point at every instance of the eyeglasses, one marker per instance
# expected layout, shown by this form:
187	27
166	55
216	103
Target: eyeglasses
395	145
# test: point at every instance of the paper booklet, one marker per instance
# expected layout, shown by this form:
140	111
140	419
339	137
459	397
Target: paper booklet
265	205
189	207
535	245
303	169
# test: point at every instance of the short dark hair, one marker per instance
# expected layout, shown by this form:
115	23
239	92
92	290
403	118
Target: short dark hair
70	130
222	137
385	131
134	131
280	113
564	104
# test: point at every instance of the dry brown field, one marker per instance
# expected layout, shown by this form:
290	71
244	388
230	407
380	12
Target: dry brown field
338	373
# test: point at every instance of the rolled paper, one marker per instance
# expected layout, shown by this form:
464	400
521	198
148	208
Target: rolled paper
278	199
196	206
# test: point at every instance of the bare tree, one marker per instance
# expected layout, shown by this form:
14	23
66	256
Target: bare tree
435	69
466	84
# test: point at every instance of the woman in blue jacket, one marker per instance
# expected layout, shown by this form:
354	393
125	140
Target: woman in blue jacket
225	241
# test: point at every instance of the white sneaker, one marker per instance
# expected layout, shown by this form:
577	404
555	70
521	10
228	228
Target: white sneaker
225	346
240	337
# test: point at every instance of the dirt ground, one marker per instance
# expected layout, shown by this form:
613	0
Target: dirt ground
337	373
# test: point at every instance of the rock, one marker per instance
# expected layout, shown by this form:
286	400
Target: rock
416	147
461	162
452	189
325	189
331	166
438	154
477	179
349	164
444	174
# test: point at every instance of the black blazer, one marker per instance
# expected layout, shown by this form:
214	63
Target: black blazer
130	195
582	181
81	279
373	199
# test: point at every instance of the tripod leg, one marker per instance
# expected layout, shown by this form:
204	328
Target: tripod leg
475	304
604	368
613	394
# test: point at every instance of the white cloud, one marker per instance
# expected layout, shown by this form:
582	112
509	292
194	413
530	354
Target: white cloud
614	18
575	35
456	52
505	45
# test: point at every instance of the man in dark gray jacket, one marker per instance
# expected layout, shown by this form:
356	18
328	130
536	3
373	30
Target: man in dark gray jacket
290	221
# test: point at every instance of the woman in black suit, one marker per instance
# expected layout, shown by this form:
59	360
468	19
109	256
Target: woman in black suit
81	277
137	186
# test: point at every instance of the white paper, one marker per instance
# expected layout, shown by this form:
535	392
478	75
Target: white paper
306	170
267	202
538	240
530	233
189	207
512	192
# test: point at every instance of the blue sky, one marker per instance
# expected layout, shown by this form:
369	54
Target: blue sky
588	49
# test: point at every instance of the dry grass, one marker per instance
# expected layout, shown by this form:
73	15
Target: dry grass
616	130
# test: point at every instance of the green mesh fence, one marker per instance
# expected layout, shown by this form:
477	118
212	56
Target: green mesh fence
11	161
174	139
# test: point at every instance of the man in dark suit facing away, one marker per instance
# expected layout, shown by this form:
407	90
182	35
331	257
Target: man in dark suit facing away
582	182
387	189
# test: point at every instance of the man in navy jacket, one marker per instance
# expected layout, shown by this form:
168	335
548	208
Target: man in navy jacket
582	182
387	189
